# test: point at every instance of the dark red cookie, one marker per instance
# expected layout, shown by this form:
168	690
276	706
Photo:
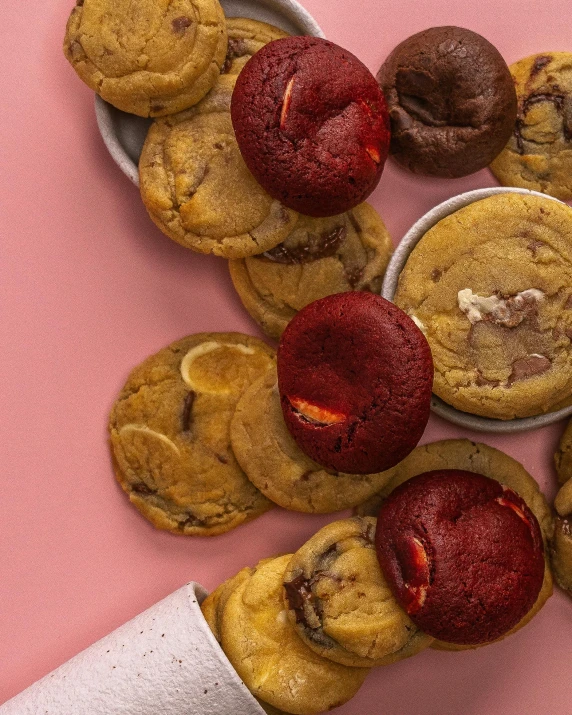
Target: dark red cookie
355	376
462	554
311	124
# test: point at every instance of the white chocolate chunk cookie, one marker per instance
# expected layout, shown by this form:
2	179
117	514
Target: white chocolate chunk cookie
340	603
491	284
170	434
265	650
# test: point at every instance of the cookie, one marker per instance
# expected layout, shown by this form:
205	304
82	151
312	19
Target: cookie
451	101
462	554
197	189
538	155
274	663
311	124
561	547
354	375
340	604
563	456
149	61
277	466
491	287
320	257
245	38
170	434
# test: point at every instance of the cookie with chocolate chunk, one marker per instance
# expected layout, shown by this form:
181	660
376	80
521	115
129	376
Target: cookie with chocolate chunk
561	547
273	662
151	61
538	155
491	287
451	101
277	466
170	434
320	257
563	456
197	189
245	38
339	601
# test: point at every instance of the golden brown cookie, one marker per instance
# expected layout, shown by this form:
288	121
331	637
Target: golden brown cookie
213	605
170	434
539	154
492	463
278	467
149	58
321	256
491	287
561	547
563	456
245	38
339	601
197	189
274	663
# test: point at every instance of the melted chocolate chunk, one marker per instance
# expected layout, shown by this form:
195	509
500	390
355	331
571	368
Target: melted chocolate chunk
298	593
180	24
186	417
318	246
236	48
482	381
221	458
527	367
436	274
539	63
143	489
563	104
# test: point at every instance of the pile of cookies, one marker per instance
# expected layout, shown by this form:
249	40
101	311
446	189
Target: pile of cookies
302	630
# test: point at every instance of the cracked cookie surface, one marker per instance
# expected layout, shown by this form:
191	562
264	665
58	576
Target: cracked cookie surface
482	459
277	466
265	650
148	58
538	156
321	256
197	189
170	434
340	603
491	287
561	547
245	38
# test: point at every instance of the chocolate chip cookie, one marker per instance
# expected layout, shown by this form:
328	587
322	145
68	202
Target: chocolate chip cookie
197	189
490	462
265	650
539	154
277	466
245	38
563	456
170	434
152	59
451	101
491	287
321	256
561	547
339	601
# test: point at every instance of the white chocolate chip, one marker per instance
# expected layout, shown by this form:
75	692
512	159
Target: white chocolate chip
147	430
203	349
495	309
418	323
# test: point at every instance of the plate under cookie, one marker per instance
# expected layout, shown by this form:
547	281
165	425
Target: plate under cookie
396	265
123	134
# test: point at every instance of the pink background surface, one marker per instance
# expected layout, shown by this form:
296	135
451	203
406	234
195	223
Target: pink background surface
89	287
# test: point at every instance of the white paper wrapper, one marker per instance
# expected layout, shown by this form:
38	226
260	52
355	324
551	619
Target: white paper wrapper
391	279
163	662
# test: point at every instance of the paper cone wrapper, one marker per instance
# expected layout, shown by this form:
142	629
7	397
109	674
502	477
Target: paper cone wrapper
165	661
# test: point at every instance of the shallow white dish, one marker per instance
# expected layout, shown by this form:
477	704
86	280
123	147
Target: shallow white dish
398	261
123	134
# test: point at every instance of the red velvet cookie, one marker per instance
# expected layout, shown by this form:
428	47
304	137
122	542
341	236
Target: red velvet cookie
462	554
311	124
355	376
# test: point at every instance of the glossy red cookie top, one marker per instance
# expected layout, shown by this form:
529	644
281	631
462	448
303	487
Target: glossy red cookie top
355	376
462	554
311	124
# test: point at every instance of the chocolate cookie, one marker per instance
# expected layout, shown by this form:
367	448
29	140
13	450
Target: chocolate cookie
320	257
354	374
311	124
152	61
245	38
277	466
561	547
340	604
451	101
274	663
491	287
563	456
463	555
538	156
170	434
197	188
